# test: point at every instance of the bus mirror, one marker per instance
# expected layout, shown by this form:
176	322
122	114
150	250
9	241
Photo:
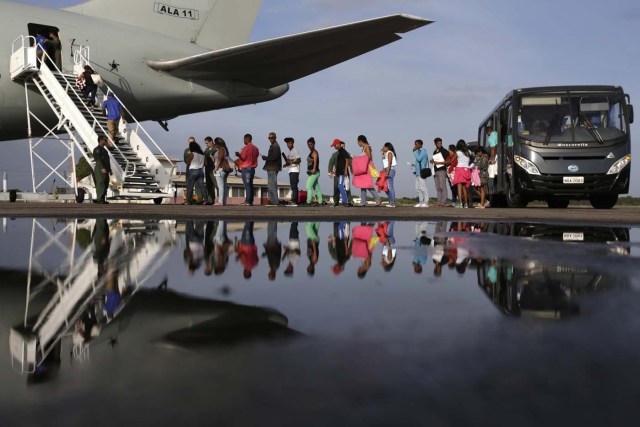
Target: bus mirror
630	109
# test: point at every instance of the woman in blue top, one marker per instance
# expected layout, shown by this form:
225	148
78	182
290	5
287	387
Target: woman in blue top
420	155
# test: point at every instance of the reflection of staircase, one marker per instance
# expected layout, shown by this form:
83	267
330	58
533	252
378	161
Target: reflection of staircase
136	250
137	172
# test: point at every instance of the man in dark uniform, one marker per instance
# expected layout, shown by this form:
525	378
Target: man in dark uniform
209	165
102	169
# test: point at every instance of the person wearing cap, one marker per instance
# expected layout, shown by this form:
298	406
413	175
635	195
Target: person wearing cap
341	171
113	110
292	161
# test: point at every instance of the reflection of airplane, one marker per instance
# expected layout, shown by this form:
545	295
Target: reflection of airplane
101	301
167	60
544	288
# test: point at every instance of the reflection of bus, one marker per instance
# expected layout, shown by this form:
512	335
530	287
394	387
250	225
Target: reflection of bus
550	289
561	143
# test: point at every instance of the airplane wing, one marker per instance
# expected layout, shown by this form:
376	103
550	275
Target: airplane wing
274	62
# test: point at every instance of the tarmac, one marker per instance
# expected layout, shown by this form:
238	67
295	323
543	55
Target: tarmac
619	216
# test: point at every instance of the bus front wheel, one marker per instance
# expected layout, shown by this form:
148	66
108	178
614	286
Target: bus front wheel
516	200
603	201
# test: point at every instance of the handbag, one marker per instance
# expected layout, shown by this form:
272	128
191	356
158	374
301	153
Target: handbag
425	173
97	79
373	171
238	163
226	166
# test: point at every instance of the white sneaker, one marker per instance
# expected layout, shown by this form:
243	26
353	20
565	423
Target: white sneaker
424	205
391	206
419	205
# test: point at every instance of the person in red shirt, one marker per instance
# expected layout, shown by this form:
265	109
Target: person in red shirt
249	161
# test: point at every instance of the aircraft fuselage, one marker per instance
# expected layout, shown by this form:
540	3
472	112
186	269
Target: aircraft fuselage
148	94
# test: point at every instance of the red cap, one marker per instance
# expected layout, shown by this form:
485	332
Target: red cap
336	268
336	142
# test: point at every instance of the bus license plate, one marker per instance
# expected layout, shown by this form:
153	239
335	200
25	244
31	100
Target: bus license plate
573	179
573	237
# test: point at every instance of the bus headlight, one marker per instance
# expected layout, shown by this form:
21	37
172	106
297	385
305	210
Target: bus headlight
527	165
619	165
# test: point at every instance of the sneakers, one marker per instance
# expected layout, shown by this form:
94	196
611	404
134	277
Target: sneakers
424	205
293	205
419	205
391	206
459	205
479	207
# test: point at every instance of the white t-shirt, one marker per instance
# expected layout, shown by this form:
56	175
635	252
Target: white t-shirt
197	162
385	160
463	160
294	155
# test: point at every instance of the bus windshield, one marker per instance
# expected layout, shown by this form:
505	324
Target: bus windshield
571	118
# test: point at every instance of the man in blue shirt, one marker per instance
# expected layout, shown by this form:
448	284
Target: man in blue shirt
112	108
420	155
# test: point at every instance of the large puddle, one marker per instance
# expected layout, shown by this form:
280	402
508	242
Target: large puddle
317	323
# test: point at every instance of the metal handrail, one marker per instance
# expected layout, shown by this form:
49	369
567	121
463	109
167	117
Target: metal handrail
82	59
71	87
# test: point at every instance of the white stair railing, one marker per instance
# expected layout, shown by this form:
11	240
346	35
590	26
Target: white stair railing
136	134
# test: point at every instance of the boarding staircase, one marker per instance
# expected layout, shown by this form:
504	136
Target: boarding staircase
137	173
136	251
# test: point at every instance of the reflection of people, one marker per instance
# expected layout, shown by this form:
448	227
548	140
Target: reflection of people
102	169
210	229
313	242
272	249
194	250
102	245
222	246
420	242
385	233
292	249
246	250
338	246
362	247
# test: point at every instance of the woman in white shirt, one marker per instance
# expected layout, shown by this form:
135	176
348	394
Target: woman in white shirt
462	177
389	163
195	176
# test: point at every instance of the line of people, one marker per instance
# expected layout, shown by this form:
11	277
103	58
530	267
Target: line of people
208	169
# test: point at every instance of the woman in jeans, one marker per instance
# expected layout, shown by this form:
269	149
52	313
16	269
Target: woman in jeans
195	176
389	163
219	173
366	151
313	170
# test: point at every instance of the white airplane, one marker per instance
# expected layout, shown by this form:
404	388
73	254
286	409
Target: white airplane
168	58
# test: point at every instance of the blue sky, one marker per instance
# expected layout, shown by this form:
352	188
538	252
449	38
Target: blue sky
440	80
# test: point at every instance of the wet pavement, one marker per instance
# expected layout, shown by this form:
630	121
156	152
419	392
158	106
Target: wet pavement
317	323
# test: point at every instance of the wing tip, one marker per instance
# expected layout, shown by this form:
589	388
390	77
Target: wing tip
414	22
